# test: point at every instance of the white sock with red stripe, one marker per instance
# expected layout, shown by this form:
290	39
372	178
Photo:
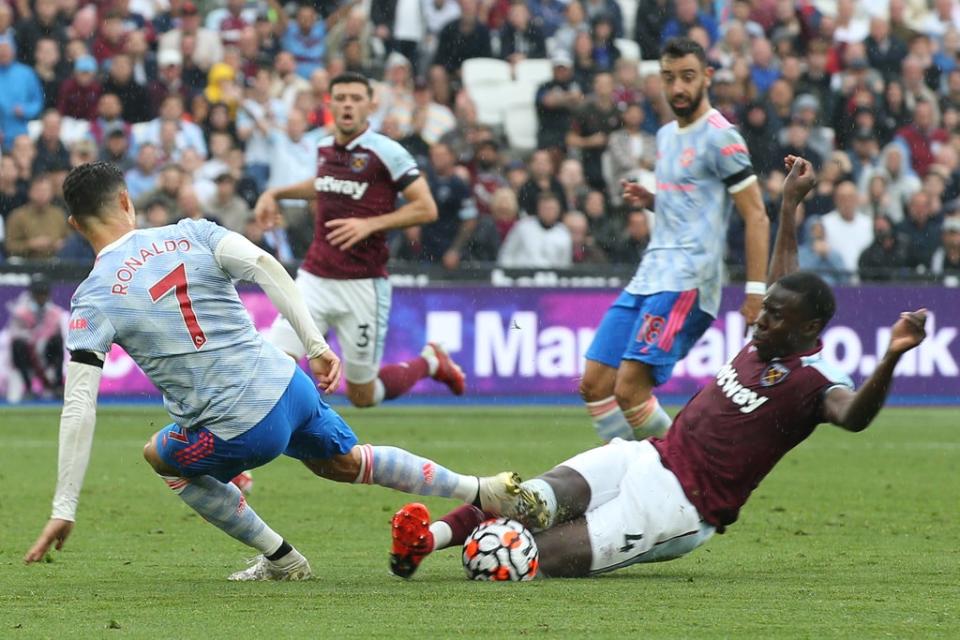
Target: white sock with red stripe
401	470
608	420
648	419
224	506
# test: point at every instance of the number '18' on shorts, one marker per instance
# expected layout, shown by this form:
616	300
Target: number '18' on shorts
301	425
658	329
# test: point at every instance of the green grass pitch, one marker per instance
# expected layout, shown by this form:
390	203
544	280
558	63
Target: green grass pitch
851	536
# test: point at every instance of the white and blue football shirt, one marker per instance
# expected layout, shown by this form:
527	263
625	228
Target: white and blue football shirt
697	167
161	295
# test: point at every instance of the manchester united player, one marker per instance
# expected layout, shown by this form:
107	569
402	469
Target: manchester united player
343	278
659	499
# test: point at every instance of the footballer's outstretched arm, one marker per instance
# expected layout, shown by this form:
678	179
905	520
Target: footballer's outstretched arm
267	211
243	260
798	183
749	203
854	411
420	209
77	421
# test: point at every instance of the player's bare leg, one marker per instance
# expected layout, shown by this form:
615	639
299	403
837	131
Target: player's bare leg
634	393
223	505
597	390
398	469
565	550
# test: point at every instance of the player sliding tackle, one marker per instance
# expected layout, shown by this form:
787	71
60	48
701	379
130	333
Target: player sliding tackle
166	296
659	499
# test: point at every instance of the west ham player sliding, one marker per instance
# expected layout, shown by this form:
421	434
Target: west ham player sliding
702	165
166	296
344	277
658	499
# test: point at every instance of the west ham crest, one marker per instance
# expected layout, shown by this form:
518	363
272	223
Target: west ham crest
359	161
775	373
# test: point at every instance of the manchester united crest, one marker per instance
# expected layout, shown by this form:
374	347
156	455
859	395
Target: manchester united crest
775	373
359	161
687	157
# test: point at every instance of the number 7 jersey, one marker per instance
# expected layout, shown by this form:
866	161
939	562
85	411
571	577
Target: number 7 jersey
162	296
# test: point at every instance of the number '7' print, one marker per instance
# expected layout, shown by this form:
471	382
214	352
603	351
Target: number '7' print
176	281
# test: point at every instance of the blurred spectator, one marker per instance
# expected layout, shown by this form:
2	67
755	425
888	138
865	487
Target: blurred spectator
169	81
651	19
76	250
630	245
44	23
687	15
406	245
922	228
520	37
50	70
187	134
273	241
493	229
233	23
304	38
585	249
246	186
287	83
609	9
538	241
922	137
36	339
572	182
556	101
885	51
394	96
227	205
134	99
759	134
166	192
584	63
542	180
437	119
865	154
36	230
806	108
901	182
259	105
24	152
109	118
847	229
627	90
574	22
517	175
13	191
461	39
116	149
293	157
591	126
605	52
399	24
22	96
142	177
445	241
886	258
156	215
797	143
945	263
190	207
630	148
817	255
111	39
222	88
548	15
52	154
80	92
488	177
207	48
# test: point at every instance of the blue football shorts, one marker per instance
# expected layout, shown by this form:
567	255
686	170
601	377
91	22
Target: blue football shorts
658	329
301	425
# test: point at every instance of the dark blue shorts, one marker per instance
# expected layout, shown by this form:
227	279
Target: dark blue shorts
658	329
301	425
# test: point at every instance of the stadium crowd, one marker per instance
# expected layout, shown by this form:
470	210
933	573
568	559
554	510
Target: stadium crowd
205	106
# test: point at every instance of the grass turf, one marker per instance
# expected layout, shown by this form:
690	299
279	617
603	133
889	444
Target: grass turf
851	536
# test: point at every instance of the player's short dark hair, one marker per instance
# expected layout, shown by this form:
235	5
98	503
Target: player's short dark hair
680	47
818	300
352	77
89	188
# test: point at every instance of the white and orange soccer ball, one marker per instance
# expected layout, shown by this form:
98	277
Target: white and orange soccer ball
501	550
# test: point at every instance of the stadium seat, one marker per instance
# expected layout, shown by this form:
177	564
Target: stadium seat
649	67
520	122
483	71
629	50
489	101
629	10
534	71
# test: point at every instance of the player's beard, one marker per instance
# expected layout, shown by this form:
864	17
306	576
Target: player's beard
695	101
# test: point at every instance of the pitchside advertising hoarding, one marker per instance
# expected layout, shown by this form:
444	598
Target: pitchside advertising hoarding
528	343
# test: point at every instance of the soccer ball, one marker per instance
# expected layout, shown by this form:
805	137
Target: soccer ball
501	550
